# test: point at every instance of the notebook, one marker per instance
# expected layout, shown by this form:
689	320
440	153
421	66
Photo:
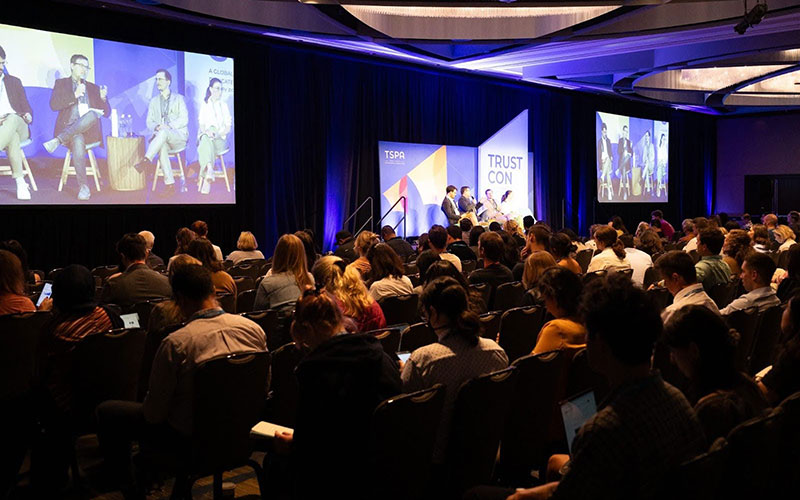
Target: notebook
575	412
267	430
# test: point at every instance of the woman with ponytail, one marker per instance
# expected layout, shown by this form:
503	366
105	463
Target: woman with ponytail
612	251
459	355
562	249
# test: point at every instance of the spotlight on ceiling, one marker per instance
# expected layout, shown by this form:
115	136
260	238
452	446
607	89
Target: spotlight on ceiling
751	18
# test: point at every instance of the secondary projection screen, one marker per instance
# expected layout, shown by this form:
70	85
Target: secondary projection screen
632	159
110	104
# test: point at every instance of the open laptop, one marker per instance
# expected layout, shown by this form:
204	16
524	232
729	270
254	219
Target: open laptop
575	412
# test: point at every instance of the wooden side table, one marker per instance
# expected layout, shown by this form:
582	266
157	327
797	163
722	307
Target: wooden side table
123	154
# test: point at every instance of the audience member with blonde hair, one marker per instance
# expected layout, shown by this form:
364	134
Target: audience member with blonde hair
345	285
289	275
247	246
12	286
785	237
535	266
364	241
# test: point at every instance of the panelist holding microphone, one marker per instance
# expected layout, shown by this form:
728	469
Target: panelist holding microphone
15	116
80	104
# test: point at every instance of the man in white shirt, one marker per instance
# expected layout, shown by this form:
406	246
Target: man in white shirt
680	278
757	271
437	237
640	261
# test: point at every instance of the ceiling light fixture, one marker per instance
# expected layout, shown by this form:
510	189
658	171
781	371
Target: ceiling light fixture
751	18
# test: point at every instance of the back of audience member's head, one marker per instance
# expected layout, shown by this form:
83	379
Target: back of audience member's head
328	271
132	247
783	233
650	243
12	281
342	236
527	222
495	226
387	233
687	226
423	243
191	285
149	239
657	214
645	226
713	239
540	235
465	225
437	237
200	228
760	234
17	249
572	235
535	265
770	220
563	287
561	246
202	250
604	302
627	240
443	268
714	341
492	246
316	319
746	217
732	225
736	242
700	223
512	227
247	242
308	247
617	224
608	237
364	241
448	298
384	262
181	260
677	262
454	232
290	257
183	237
474	234
425	260
762	265
73	290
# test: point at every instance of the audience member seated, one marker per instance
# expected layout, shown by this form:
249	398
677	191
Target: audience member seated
680	278
535	265
423	262
202	250
770	221
307	238
704	350
345	286
162	423
474	234
246	248
562	249
511	251
400	246
457	246
387	273
423	243
490	247
16	248
345	246
790	281
639	260
466	226
783	379
698	225
537	240
152	259
612	255
560	289
12	286
785	237
166	313
645	427
364	241
662	226
757	271
341	381
650	243
736	247
289	276
618	225
711	269
183	237
760	237
200	228
137	282
460	354
437	236
512	228
442	268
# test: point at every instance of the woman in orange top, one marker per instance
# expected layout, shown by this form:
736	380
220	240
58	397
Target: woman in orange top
12	286
561	290
562	247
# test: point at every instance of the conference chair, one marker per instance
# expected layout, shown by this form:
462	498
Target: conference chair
581	377
400	309
26	168
753	469
723	293
467	266
389	337
416	336
410	268
628	273
745	322
227	264
789	451
275	323
767	334
245	300
669	371
252	271
584	257
244	283
103	272
507	296
151	345
174	153
701	477
485	290
783	259
594	275
262	265
650	277
145	310
222	173
491	325
53	273
479	414
660	297
284	391
227	301
91	170
519	329
403	437
415	280
220	439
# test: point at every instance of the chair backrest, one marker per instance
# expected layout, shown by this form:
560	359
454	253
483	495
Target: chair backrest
275	323
229	396
107	365
284	389
589	277
519	329
227	264
244	283
767	334
151	345
103	272
245	301
625	272
467	266
400	309
694	255
20	335
403	437
701	477
581	377
754	466
416	336
144	310
723	293
389	337
479	414
227	301
744	322
660	297
259	264
540	385
783	259
485	290
410	268
650	277
789	451
53	273
415	279
491	325
584	257
508	296
249	270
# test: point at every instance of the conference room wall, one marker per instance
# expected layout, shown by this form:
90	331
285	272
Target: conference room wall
308	124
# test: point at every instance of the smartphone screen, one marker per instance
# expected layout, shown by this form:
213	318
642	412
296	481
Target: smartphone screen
403	356
47	290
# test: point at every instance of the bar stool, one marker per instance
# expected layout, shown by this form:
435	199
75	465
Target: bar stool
174	153
92	170
26	169
216	174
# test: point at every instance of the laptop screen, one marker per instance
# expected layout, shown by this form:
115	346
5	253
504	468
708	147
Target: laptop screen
130	320
575	412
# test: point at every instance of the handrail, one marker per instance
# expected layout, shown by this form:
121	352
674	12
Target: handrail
355	212
405	213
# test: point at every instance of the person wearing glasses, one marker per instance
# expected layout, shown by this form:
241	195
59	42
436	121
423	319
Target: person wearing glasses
15	116
215	124
80	104
168	118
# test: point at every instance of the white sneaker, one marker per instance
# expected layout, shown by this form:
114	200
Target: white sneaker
51	145
206	187
23	193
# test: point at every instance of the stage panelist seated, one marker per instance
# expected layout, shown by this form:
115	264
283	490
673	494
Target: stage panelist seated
489	209
168	118
80	104
449	206
215	124
15	116
467	206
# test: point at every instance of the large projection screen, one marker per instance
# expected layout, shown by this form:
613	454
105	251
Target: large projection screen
111	104
632	159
